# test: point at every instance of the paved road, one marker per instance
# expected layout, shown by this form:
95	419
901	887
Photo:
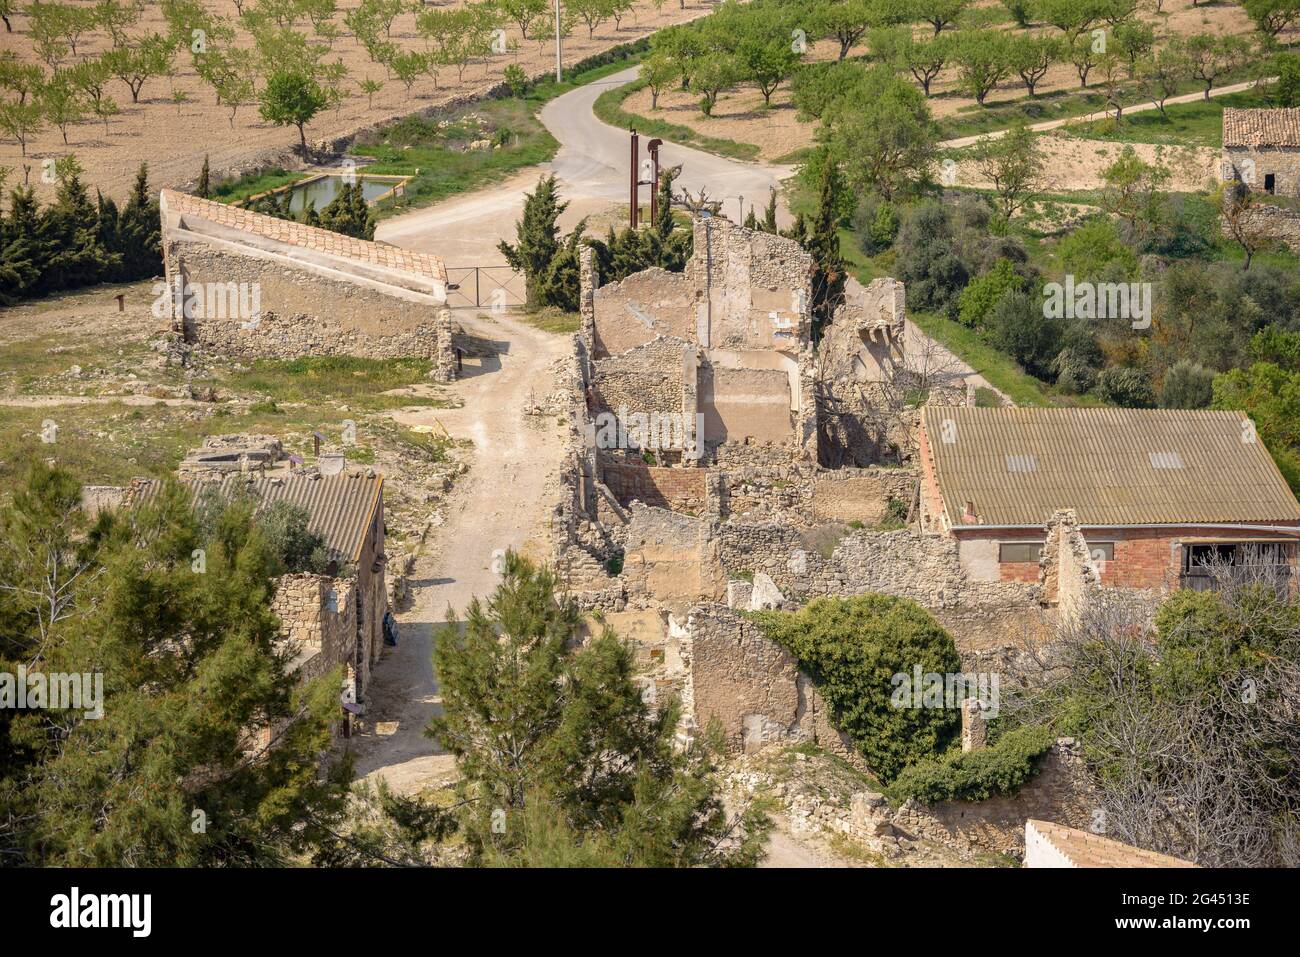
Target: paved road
592	169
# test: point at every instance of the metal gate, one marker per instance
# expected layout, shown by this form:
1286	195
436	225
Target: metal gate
484	286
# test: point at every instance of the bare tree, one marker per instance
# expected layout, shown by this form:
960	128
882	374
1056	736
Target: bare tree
1190	722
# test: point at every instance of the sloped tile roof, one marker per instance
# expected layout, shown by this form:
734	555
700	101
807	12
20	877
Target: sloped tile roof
1083	849
1277	127
340	507
307	237
1112	466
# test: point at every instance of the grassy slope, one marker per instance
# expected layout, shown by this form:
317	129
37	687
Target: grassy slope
609	109
1188	124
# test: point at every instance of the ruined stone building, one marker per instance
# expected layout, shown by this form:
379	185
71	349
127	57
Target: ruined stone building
330	619
1261	147
250	285
1158	495
1261	151
826	470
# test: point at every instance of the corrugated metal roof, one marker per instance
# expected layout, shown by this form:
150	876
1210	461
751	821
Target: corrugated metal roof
1112	466
341	507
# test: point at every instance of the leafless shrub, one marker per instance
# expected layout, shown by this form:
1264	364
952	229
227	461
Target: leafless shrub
1191	723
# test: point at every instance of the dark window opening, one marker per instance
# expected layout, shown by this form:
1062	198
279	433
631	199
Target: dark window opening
1019	551
1270	182
1101	551
1207	564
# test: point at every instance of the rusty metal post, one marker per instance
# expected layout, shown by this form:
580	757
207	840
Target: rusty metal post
653	148
635	178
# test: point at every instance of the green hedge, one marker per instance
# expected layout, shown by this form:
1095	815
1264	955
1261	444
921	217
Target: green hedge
976	775
852	648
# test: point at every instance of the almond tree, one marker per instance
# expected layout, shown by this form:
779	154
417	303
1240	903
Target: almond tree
1032	56
1212	56
21	78
1272	16
135	66
1162	75
939	13
292	99
984	59
62	104
523	13
89	78
22	121
658	73
1013	163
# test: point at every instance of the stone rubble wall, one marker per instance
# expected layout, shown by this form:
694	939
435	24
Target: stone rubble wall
752	686
318	612
305	313
647	378
1061	791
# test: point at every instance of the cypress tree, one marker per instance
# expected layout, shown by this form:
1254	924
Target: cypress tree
822	241
537	241
205	184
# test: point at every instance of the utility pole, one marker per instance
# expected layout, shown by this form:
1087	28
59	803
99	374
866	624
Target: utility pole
559	77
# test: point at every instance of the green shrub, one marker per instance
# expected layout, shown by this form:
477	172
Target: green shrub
1129	388
1187	386
979	297
852	648
976	775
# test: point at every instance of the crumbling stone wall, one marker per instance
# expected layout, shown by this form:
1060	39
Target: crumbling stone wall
646	378
318	615
923	568
304	312
671	560
1061	790
678	489
752	686
746	405
639	309
755	286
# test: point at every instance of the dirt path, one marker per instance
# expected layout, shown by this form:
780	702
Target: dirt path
1098	115
502	503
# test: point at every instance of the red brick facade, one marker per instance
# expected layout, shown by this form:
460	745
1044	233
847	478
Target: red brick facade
1144	557
679	489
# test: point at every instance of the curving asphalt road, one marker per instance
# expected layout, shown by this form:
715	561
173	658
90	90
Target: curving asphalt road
592	169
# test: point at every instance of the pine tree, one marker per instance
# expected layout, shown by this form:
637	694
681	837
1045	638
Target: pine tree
560	758
190	667
69	237
20	250
139	240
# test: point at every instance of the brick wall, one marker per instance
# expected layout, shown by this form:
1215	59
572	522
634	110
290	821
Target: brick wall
679	489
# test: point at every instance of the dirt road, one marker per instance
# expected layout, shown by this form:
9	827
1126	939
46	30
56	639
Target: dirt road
501	503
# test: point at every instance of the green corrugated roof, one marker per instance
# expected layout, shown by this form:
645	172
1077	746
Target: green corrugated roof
340	507
1112	466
